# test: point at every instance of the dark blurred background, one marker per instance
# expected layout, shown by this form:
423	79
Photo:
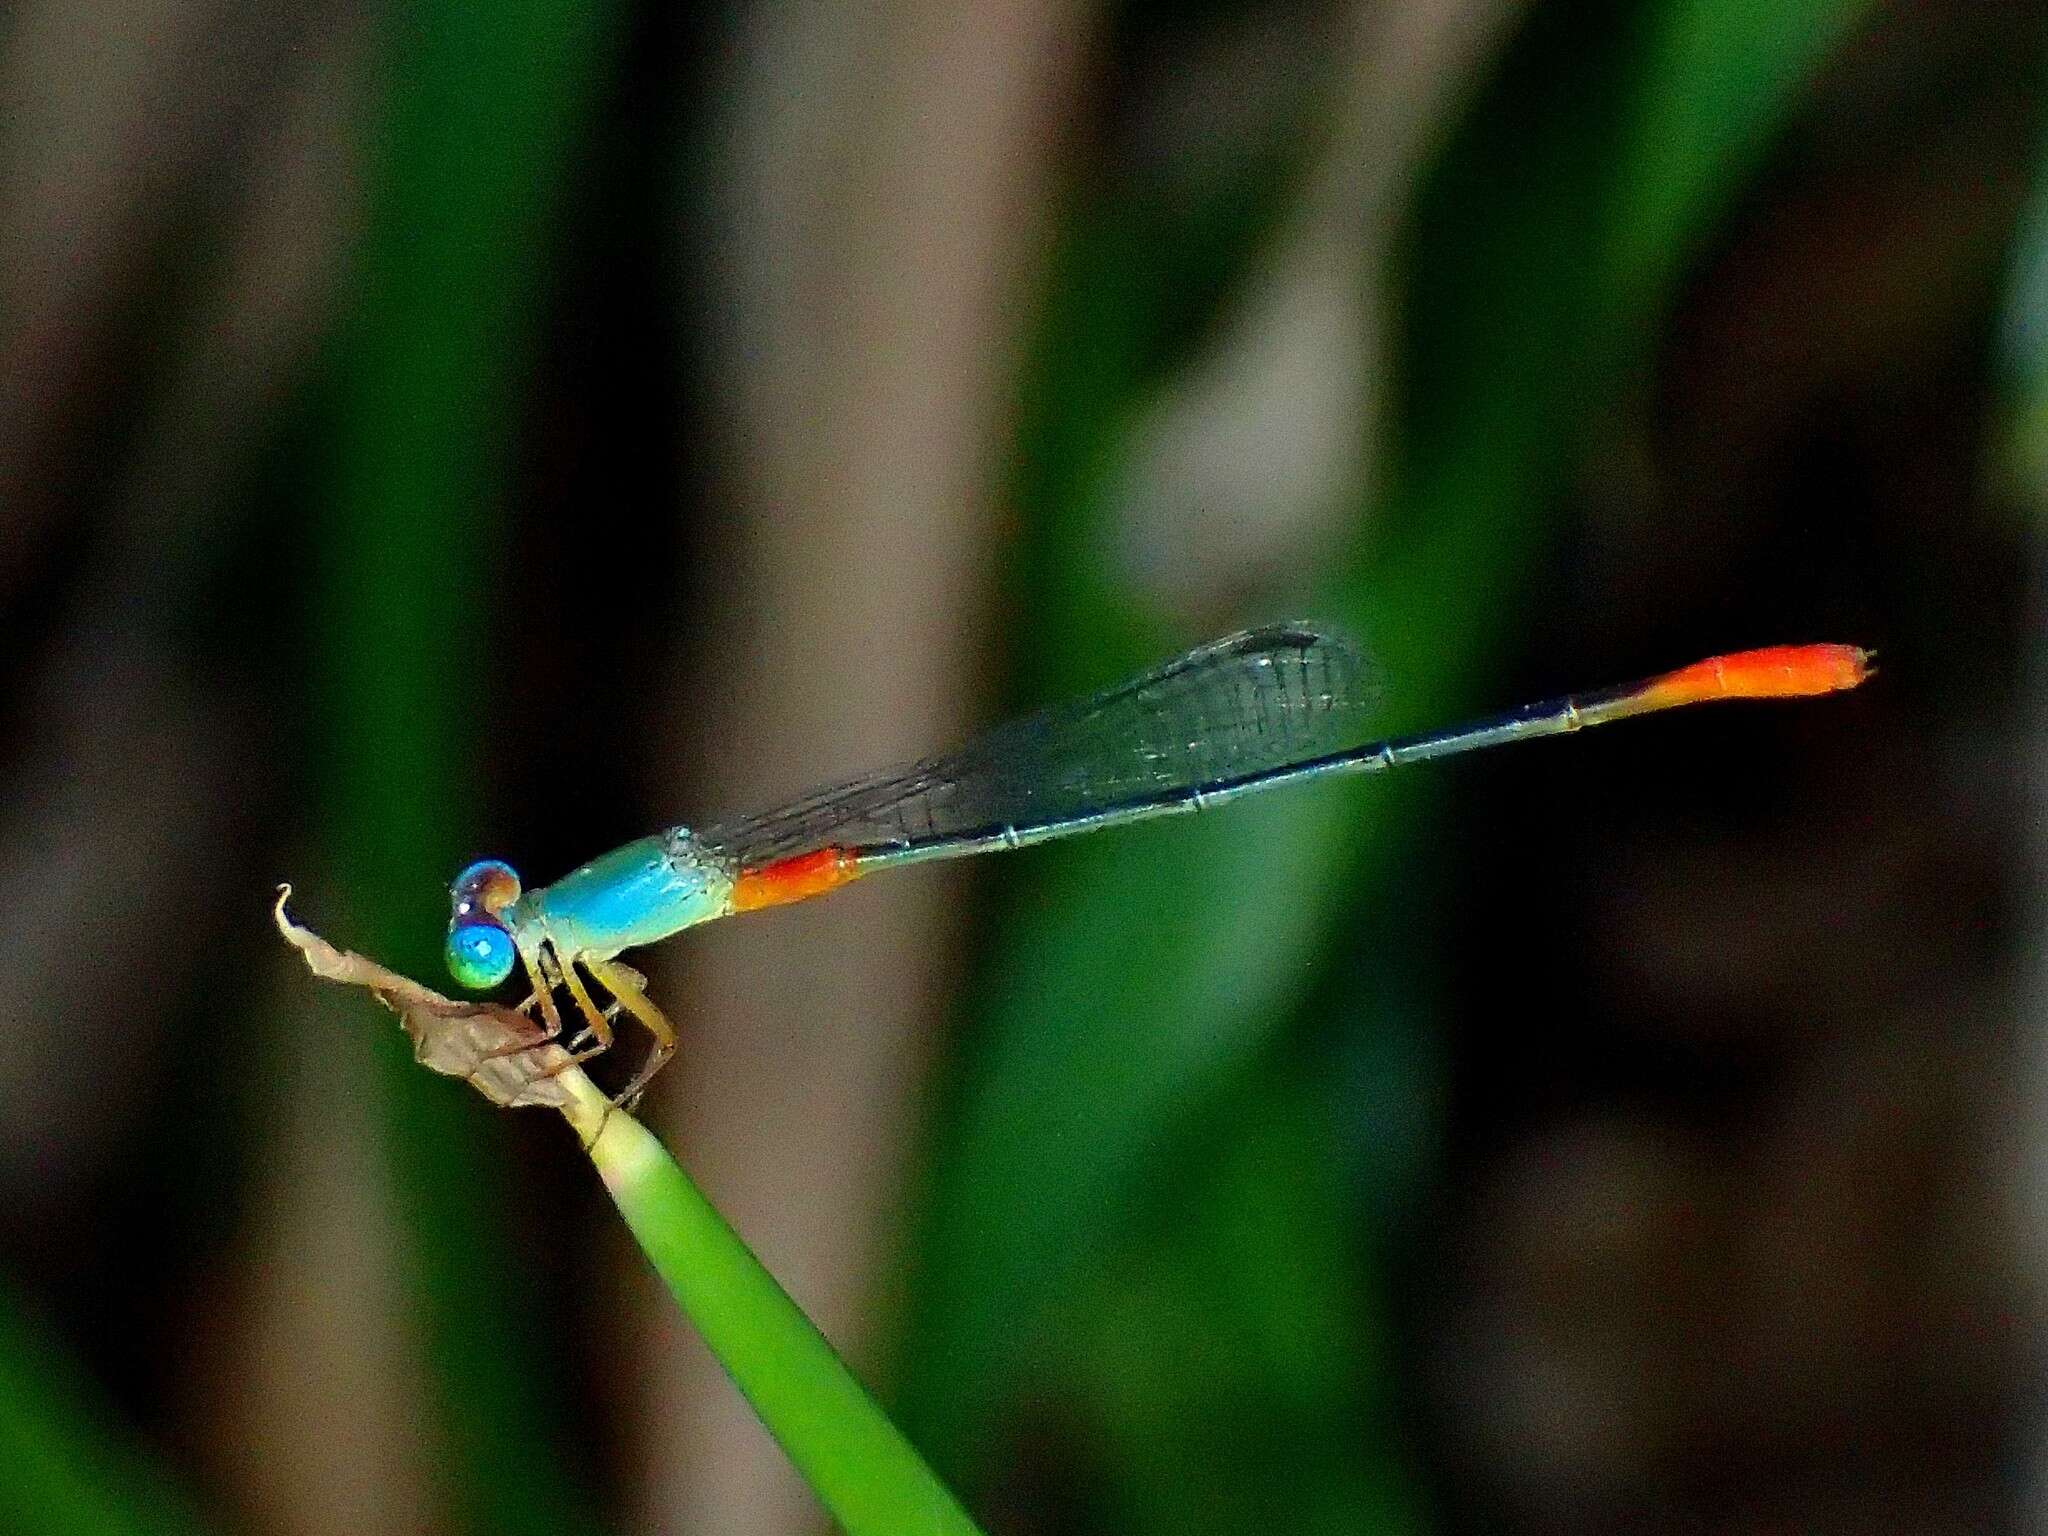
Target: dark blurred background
440	430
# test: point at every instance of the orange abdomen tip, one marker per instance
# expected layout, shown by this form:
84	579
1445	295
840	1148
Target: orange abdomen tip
1775	672
794	879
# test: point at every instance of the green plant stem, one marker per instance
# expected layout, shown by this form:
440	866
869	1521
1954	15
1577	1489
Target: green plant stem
863	1470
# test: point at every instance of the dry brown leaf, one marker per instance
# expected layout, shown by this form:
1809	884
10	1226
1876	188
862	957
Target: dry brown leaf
499	1052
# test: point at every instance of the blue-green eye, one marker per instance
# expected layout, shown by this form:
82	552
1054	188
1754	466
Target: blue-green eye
480	955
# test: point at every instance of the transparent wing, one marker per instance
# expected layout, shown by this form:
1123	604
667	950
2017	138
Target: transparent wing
1237	707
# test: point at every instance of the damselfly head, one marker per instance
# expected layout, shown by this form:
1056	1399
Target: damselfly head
481	952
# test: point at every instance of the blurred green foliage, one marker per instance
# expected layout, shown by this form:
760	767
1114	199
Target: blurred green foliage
64	1477
485	110
2023	351
1137	1193
1124	1007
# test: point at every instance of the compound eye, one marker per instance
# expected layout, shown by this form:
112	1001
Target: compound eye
480	955
488	885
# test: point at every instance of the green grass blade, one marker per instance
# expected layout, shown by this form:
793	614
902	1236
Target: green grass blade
862	1468
865	1472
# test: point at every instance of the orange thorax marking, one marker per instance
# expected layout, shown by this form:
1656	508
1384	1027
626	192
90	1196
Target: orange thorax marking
794	879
